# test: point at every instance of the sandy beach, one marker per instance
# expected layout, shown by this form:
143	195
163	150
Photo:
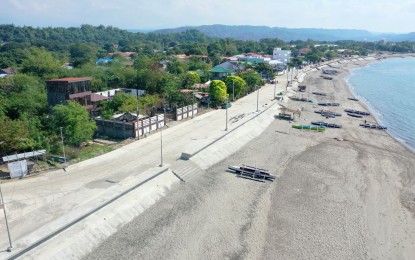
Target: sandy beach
345	193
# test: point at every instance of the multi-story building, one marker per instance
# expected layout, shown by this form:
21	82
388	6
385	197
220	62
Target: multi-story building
281	55
77	89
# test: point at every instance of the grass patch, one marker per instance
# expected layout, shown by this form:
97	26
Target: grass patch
93	150
76	154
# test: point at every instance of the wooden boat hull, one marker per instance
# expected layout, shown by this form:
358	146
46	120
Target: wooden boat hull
331	125
309	127
327	112
354	115
251	172
329	104
357	112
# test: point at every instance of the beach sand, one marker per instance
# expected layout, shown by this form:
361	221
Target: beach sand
343	194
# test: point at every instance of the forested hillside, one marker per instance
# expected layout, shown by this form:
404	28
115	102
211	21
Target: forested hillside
246	32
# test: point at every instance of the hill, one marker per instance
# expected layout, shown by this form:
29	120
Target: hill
247	32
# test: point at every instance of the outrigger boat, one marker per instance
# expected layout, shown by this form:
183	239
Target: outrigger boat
379	127
357	112
355	115
331	104
310	127
354	99
326	112
253	173
319	93
320	123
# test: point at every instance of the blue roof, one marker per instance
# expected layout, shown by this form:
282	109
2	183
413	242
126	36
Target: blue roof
103	60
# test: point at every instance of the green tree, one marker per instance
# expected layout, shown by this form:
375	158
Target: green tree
14	136
149	104
190	79
41	63
129	104
217	92
74	118
196	64
26	95
176	66
237	85
252	79
82	53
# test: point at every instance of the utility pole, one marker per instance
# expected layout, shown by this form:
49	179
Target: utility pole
2	204
63	149
257	99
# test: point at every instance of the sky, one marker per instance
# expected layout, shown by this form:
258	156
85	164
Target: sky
373	15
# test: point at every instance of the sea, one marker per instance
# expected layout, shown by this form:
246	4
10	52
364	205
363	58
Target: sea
388	89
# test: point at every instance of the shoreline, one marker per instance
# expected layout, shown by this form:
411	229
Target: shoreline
366	104
343	194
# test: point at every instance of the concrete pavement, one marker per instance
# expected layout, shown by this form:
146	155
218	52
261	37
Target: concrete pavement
39	206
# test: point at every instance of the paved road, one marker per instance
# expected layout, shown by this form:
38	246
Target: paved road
33	203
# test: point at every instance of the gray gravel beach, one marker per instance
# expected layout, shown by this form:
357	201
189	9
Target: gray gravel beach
342	194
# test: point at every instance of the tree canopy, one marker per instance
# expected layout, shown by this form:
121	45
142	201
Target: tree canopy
74	118
217	92
236	86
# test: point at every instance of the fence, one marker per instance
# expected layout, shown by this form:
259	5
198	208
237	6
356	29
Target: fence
185	112
133	129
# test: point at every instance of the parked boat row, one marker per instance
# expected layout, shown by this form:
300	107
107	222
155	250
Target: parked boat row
371	126
357	112
310	127
331	125
331	104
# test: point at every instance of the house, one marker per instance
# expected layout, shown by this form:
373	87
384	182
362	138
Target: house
112	92
304	51
220	73
281	55
59	91
126	54
201	86
7	72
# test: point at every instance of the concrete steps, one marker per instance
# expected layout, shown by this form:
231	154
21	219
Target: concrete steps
186	170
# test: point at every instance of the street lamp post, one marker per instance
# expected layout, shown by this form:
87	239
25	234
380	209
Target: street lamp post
138	130
233	90
161	147
227	100
193	109
63	149
9	249
275	88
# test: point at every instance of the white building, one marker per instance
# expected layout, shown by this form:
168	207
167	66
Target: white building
281	55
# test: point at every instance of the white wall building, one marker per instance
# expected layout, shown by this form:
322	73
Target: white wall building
281	55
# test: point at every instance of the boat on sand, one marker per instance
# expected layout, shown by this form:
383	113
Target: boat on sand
310	127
